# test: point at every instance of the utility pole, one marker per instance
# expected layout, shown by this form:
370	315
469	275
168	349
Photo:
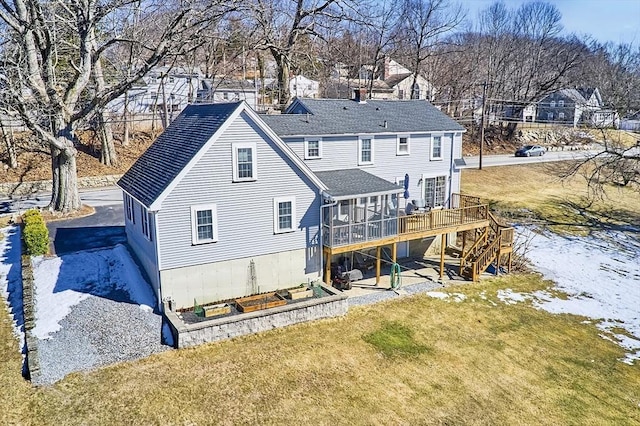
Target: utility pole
484	106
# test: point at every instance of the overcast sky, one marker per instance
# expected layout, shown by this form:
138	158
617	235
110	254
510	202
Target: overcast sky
605	20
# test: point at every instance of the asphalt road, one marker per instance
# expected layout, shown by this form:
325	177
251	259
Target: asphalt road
509	160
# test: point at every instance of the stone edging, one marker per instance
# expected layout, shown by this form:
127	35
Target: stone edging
17	189
28	310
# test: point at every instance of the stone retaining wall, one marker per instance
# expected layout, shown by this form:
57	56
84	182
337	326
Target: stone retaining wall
18	189
185	335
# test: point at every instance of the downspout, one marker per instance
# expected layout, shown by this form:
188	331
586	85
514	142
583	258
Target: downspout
157	256
451	166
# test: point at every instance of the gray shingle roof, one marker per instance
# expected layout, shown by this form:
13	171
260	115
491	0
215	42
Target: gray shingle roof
161	163
345	116
354	182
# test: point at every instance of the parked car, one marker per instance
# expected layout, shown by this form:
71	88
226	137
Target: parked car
530	151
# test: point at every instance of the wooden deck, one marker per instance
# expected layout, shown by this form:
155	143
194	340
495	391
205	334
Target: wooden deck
349	237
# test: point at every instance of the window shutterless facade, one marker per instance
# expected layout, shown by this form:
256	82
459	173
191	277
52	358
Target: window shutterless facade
312	148
365	150
436	148
128	207
204	224
402	145
284	214
245	162
145	221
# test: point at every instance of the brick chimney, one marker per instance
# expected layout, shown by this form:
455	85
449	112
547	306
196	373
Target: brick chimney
360	95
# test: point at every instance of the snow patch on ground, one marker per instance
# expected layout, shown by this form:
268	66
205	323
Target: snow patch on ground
601	276
511	297
11	279
65	281
456	297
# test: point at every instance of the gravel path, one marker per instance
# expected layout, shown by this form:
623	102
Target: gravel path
98	332
371	298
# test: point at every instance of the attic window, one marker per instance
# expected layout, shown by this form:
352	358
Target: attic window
245	162
561	104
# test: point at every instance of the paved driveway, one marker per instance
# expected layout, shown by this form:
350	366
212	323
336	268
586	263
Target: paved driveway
103	229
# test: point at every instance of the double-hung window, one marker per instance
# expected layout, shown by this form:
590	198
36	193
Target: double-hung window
552	104
204	224
436	148
561	104
284	214
402	146
245	162
312	148
365	150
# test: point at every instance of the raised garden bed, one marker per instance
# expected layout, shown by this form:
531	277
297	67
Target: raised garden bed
215	310
259	302
299	293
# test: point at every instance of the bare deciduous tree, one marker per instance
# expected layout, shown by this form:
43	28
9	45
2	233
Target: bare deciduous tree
282	24
52	55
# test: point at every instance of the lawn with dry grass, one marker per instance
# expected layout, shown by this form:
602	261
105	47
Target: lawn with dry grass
536	191
417	360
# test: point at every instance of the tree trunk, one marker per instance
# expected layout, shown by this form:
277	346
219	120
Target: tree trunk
64	190
108	155
283	68
10	144
125	120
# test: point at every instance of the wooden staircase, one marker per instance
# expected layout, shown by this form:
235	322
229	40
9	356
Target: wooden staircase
490	245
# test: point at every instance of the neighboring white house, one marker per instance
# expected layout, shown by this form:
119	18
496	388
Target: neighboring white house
395	82
303	87
176	87
228	90
228	203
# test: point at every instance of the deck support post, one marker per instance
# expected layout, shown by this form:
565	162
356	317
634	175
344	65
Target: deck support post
378	249
394	251
442	244
327	268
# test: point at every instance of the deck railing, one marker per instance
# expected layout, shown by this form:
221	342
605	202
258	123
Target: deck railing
436	219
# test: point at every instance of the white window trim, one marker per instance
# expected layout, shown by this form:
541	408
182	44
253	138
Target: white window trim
306	148
194	223
145	222
431	156
408	151
366	163
254	160
276	217
128	206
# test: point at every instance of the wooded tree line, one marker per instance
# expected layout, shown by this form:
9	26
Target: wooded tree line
63	61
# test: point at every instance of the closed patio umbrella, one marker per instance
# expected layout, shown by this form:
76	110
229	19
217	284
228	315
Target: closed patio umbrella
406	186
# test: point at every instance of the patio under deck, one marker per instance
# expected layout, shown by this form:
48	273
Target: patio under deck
377	231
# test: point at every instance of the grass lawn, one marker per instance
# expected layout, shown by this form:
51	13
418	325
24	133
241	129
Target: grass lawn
536	192
416	360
